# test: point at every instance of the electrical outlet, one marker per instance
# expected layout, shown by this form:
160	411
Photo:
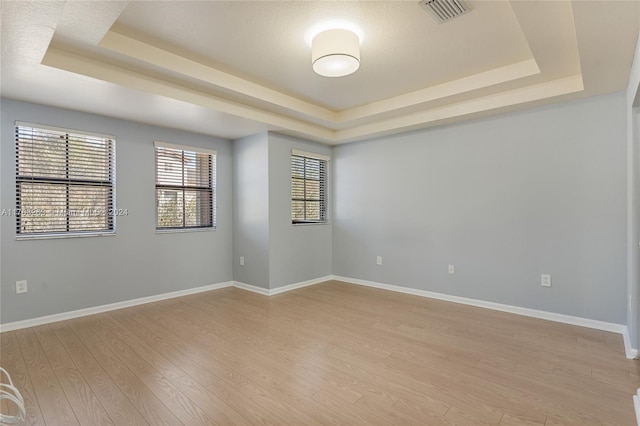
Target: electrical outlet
241	260
452	269
545	280
379	260
21	287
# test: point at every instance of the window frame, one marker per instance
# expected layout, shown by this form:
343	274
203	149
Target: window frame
212	153
323	184
67	182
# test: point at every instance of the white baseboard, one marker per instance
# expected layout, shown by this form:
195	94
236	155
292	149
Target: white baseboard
302	284
278	290
252	288
110	307
631	352
636	405
33	322
550	316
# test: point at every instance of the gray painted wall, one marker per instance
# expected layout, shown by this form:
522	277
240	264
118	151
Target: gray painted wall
74	273
633	199
276	252
633	320
251	210
296	253
503	199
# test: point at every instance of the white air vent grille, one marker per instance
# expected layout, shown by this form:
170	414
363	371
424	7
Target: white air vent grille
445	10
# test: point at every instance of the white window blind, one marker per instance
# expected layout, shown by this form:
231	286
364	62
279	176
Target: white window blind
308	188
185	187
64	181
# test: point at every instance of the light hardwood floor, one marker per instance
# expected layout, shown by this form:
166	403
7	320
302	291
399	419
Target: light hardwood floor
330	353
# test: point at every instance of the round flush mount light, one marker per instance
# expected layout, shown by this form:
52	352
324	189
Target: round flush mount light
335	53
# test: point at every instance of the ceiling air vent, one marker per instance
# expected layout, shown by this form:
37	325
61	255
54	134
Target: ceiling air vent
445	10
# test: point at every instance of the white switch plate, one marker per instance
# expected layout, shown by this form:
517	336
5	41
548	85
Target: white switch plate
241	260
21	287
379	260
452	269
545	280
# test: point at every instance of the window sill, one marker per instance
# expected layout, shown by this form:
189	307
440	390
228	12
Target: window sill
59	236
185	230
309	223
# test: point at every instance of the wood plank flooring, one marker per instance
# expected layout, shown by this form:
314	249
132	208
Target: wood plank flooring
332	353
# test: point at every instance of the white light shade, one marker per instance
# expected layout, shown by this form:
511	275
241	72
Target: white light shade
335	53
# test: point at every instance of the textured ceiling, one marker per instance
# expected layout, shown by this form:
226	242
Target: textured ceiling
235	68
270	46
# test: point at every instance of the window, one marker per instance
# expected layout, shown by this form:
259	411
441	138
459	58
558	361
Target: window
308	187
185	187
64	181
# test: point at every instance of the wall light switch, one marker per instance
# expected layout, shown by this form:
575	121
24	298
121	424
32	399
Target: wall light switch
452	269
241	260
545	280
379	260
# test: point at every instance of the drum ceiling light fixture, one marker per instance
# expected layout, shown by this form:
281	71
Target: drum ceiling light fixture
335	53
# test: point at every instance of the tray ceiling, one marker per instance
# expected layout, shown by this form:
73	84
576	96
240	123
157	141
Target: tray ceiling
233	68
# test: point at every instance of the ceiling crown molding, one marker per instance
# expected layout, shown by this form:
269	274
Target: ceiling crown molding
235	86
